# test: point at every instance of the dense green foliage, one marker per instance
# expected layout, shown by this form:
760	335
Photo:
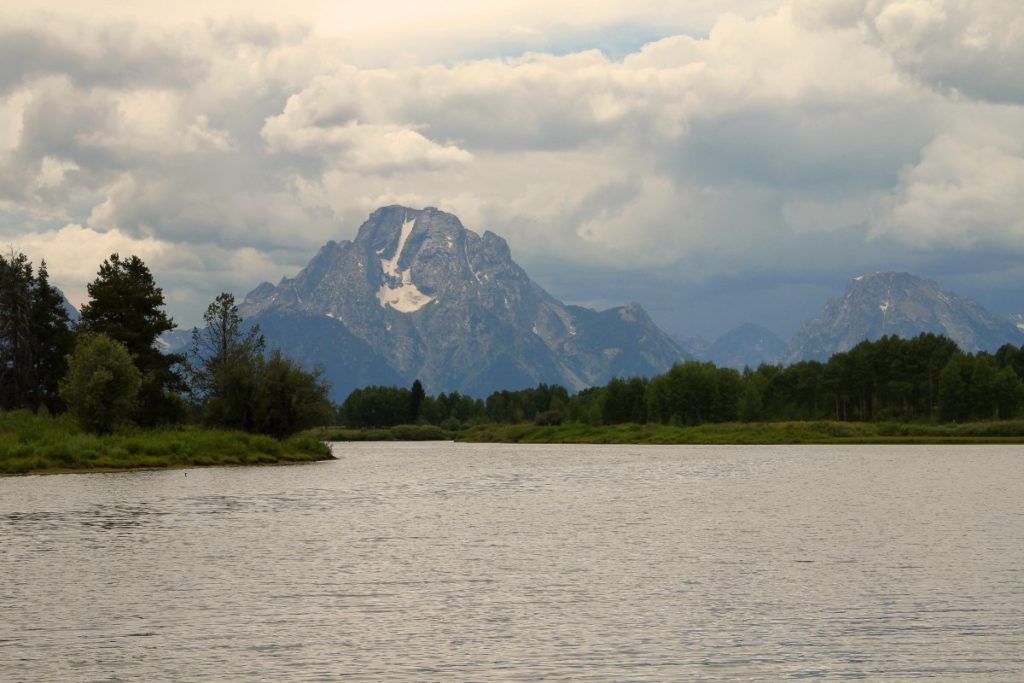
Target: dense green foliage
36	443
403	432
820	432
117	379
125	304
102	384
377	407
823	432
921	380
233	385
35	336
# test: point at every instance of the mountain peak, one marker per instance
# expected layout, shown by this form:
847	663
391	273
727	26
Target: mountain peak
434	300
900	304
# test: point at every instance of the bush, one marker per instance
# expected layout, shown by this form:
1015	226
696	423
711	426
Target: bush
451	425
549	418
102	383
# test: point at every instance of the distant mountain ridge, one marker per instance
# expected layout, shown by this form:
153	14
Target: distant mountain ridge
417	295
901	304
748	345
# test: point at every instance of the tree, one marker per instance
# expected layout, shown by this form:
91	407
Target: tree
416	397
125	304
376	406
624	401
54	340
18	379
223	365
956	389
102	384
288	398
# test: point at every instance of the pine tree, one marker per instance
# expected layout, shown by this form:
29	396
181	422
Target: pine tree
416	398
125	304
18	382
53	338
223	365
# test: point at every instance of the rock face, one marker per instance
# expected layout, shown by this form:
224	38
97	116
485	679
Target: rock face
747	345
73	315
416	295
695	346
900	304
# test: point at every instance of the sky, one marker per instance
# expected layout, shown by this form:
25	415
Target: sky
718	162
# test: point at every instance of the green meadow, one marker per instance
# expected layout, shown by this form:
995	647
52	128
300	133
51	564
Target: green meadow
819	432
37	443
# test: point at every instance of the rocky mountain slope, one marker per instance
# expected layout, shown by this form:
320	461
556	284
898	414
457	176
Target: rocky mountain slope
746	345
417	295
900	304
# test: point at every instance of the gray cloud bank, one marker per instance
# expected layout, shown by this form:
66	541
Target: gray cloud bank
738	175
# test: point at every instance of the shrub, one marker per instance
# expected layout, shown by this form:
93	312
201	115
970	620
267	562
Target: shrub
549	418
102	383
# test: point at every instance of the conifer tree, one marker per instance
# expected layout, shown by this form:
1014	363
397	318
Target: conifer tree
18	380
53	338
126	305
416	397
223	365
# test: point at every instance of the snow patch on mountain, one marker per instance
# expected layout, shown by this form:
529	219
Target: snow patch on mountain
405	297
390	266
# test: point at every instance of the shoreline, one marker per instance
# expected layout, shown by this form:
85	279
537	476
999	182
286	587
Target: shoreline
156	468
35	444
761	433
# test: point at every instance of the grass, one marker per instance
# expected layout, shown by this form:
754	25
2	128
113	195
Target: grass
33	444
397	433
821	432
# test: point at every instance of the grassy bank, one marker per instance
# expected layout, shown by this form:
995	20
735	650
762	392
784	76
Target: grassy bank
397	433
30	443
728	433
753	433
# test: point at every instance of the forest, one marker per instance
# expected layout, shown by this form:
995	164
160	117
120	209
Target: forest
926	379
107	372
108	369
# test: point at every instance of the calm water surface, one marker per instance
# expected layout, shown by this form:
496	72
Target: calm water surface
466	562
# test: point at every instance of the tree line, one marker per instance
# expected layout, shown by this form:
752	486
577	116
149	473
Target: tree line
923	379
108	369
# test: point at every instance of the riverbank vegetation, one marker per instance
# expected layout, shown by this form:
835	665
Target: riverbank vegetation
42	443
820	432
129	401
890	390
101	393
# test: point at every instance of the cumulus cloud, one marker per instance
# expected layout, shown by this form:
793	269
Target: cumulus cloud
969	47
736	143
964	194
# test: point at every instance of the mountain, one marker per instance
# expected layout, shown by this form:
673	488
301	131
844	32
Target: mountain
747	345
176	341
900	304
695	346
73	315
417	295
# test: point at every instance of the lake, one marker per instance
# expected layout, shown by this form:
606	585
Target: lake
443	561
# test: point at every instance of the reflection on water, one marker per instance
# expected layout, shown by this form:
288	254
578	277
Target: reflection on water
442	561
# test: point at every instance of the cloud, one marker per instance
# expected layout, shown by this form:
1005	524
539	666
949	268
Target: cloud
965	194
972	48
725	144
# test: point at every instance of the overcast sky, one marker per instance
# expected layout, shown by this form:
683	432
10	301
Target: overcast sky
719	162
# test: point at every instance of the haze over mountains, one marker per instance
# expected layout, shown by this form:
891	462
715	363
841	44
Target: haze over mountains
900	304
417	295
